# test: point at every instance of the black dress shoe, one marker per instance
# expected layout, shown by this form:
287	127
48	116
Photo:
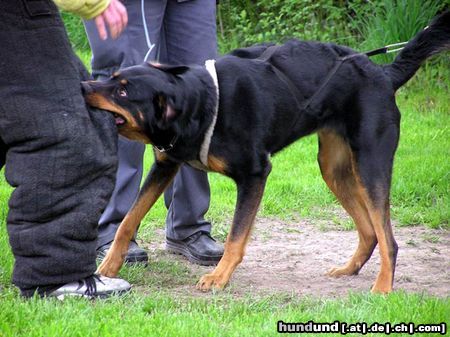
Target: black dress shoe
135	253
199	248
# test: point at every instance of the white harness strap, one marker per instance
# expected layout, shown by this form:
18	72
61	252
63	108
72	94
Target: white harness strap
204	149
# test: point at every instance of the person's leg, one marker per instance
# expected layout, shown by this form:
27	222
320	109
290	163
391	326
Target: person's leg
137	42
187	200
128	180
61	158
190	38
190	31
3	150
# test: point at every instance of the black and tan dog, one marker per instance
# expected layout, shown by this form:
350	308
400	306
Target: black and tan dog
263	99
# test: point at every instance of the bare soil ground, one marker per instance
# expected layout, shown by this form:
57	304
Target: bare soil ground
294	258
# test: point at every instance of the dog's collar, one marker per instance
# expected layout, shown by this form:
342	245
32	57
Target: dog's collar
162	148
204	149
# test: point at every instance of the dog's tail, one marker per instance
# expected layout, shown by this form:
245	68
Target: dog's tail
431	40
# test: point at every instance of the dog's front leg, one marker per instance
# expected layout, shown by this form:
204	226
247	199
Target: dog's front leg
156	182
250	191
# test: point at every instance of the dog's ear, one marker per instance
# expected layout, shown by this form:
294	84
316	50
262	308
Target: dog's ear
166	112
174	70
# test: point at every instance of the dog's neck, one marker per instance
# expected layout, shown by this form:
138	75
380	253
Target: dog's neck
198	99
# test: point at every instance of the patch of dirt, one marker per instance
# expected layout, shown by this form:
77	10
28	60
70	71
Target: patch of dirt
294	258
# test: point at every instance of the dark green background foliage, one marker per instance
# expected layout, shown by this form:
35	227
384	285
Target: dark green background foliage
76	32
244	22
361	24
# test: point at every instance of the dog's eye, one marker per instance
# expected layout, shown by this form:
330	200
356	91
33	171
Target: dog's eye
122	92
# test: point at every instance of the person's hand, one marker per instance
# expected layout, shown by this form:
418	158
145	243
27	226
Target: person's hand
115	16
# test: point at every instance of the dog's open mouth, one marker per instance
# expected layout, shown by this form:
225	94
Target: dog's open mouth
122	117
120	120
100	102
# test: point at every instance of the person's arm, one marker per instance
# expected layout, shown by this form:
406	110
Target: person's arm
106	12
87	9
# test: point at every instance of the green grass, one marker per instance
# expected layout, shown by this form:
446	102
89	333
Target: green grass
160	314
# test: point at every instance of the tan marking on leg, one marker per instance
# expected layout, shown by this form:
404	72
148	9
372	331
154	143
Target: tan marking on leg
244	217
341	174
336	163
232	257
115	257
381	223
388	250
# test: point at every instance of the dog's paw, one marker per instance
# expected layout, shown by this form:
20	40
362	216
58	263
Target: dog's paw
377	289
211	281
382	286
342	271
110	266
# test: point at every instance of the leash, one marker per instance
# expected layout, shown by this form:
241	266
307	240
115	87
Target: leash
386	49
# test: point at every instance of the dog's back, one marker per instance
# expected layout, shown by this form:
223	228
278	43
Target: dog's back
314	78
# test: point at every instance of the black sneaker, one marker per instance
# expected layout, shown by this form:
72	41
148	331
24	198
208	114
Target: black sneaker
92	287
135	253
199	248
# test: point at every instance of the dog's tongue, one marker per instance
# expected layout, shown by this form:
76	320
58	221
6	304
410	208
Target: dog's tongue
120	120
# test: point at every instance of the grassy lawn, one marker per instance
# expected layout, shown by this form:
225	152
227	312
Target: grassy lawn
420	196
160	314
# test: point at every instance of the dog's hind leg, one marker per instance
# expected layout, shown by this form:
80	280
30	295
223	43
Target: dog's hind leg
336	164
250	191
374	167
371	156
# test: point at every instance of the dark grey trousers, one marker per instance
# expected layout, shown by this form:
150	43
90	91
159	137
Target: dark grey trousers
172	32
61	158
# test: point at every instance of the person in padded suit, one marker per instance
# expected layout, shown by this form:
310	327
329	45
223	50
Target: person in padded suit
59	156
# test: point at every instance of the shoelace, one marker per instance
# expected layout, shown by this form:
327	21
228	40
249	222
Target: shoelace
91	284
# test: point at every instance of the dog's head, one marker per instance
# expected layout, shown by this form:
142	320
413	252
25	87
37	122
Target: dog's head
142	98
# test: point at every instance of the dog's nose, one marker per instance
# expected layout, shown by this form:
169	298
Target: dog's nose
86	88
